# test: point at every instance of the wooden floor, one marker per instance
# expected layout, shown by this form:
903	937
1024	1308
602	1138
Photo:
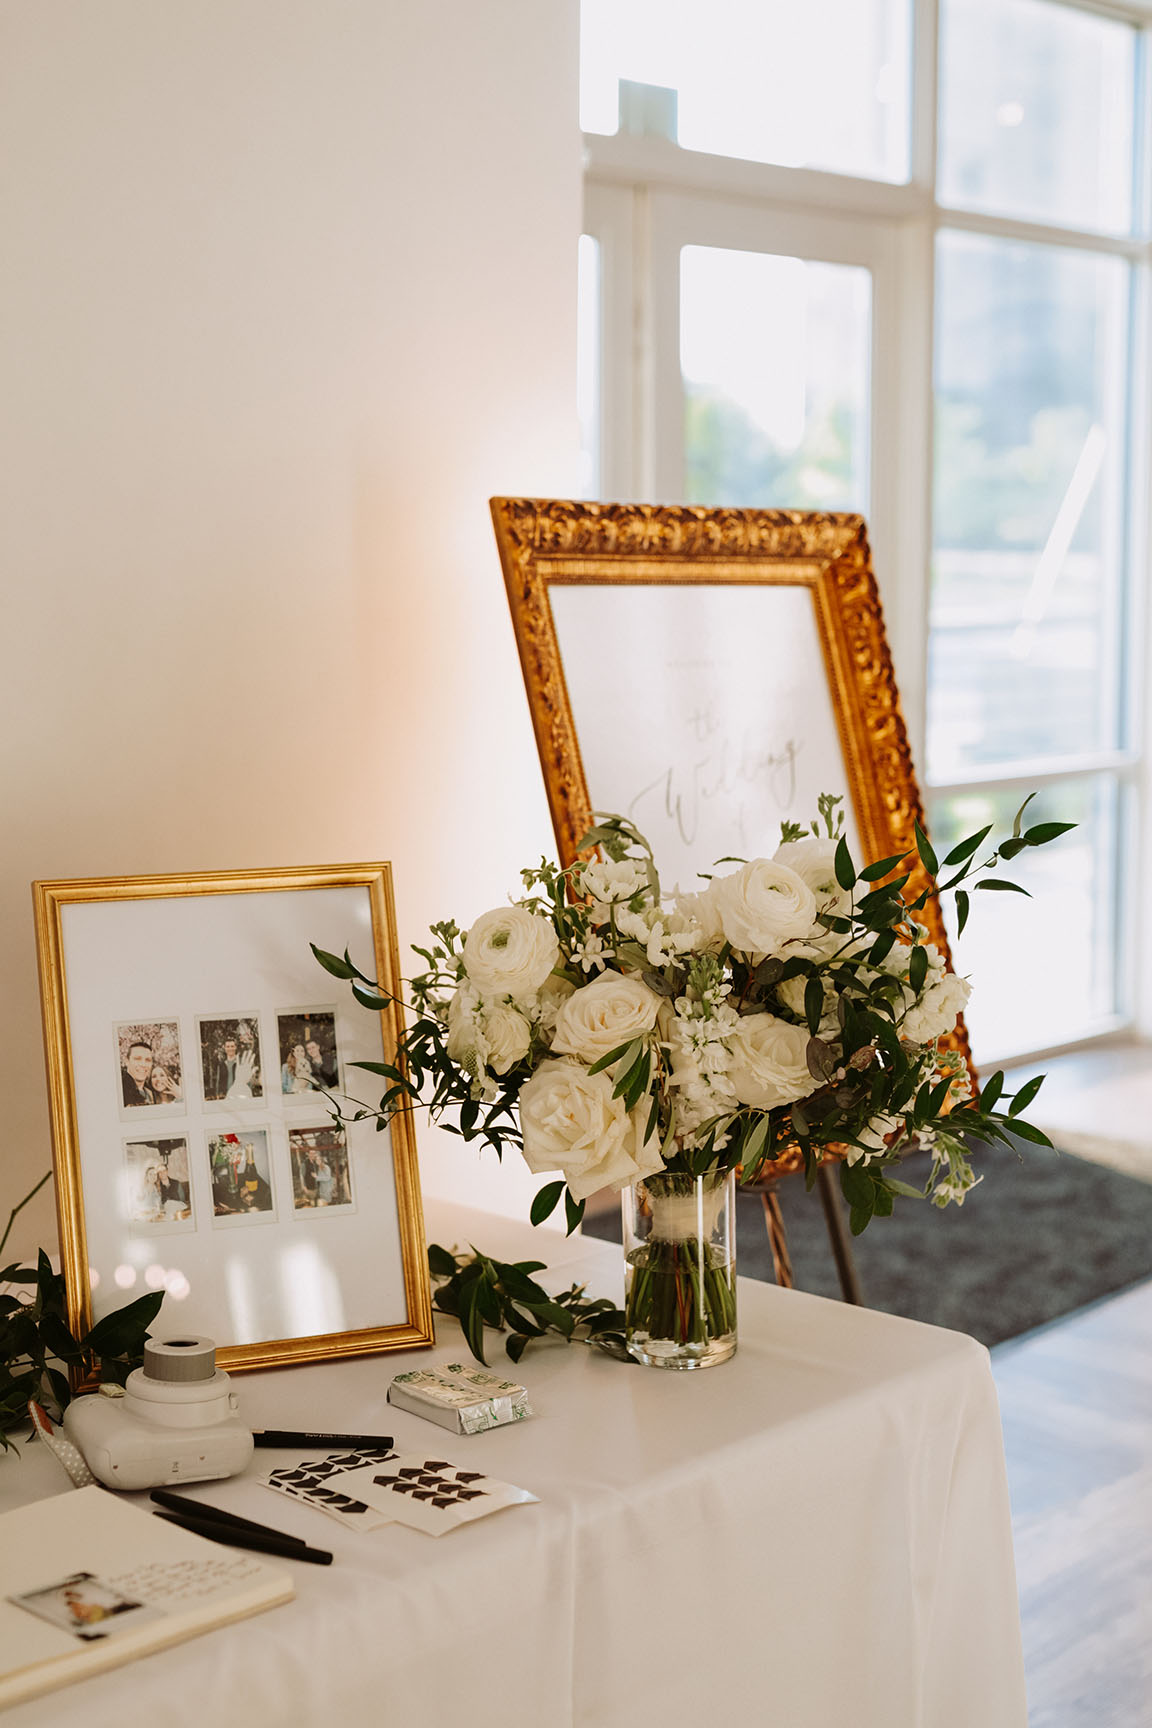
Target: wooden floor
1076	1400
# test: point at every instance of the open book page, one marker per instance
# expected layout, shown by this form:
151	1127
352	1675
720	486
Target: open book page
88	1581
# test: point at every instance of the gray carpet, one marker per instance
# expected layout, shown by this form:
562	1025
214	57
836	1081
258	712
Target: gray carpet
1042	1235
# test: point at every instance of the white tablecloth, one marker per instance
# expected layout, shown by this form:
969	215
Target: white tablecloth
815	1534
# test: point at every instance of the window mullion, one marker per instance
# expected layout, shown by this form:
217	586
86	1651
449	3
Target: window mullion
925	94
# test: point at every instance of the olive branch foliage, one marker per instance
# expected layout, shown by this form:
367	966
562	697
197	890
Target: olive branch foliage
865	1069
37	1346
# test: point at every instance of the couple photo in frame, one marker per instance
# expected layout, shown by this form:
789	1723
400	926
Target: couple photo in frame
193	1149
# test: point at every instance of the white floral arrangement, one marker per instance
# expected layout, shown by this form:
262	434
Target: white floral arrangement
610	1033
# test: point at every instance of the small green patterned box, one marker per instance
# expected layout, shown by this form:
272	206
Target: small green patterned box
465	1399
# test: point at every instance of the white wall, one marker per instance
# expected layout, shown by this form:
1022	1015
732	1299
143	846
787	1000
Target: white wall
288	290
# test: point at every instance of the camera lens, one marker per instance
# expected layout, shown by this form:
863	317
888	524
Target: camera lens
179	1359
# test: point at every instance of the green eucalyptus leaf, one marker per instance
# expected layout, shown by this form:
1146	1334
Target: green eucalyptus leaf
660	985
845	870
821	1059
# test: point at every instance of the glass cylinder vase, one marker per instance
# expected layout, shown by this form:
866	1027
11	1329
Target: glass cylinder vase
680	1269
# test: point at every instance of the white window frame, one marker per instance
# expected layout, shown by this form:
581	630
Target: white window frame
647	196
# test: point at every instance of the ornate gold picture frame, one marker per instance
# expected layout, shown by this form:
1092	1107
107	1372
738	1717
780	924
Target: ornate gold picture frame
192	1041
747	645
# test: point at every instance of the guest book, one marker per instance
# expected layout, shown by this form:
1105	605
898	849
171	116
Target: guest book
89	1581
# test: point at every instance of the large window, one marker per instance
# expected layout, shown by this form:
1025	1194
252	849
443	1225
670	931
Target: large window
892	255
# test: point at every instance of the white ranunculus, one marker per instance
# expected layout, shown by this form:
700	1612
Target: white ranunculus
814	861
465	1042
572	1123
769	1066
490	1035
507	1034
600	1016
763	906
510	952
936	1011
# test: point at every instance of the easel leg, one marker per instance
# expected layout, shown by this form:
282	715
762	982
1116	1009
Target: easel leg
838	1235
777	1238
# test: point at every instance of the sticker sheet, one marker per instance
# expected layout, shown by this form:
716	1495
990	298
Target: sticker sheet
317	1483
425	1493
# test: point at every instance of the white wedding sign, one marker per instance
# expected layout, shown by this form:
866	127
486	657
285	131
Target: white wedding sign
690	725
709	673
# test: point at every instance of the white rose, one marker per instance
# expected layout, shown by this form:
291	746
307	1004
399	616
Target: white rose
572	1123
769	1066
936	1011
702	911
814	861
510	952
600	1016
763	906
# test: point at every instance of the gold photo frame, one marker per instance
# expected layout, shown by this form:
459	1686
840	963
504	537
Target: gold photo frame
644	628
191	1041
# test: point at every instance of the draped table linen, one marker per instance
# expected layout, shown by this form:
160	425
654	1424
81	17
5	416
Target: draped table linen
815	1534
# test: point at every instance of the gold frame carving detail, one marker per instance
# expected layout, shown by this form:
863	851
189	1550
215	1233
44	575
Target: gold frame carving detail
551	541
52	901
